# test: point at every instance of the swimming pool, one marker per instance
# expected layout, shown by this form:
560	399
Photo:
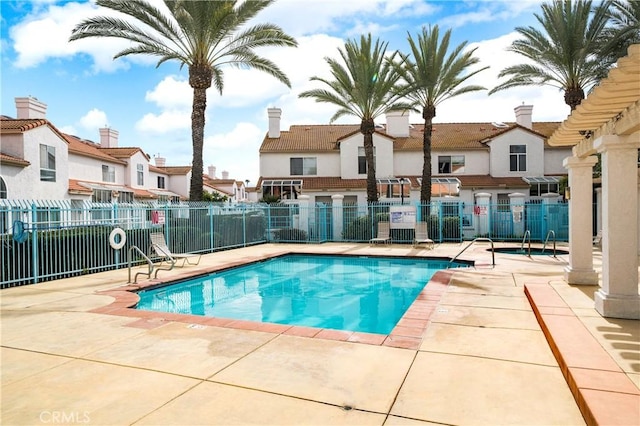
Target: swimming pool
354	293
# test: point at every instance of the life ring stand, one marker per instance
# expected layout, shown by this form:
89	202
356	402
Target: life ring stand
117	245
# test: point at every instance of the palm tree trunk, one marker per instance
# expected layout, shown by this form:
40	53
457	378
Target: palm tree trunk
428	112
367	127
573	96
200	81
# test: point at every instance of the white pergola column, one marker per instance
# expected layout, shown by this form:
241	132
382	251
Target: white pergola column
618	296
580	269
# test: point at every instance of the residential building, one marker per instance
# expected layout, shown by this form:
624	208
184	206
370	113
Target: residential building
494	159
38	162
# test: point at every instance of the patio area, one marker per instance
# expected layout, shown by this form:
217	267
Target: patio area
506	344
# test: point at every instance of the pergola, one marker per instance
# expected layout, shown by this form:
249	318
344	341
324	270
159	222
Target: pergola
606	122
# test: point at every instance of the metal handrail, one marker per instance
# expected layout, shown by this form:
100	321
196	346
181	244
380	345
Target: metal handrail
493	255
527	233
549	234
149	262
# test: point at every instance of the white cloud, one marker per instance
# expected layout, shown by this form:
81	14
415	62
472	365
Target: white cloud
69	130
94	119
222	150
165	122
489	11
45	33
479	106
172	92
298	17
244	88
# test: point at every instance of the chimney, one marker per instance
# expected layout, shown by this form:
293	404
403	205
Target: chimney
274	122
108	138
30	108
160	161
225	174
398	123
523	115
212	172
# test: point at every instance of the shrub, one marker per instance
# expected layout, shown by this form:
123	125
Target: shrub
290	234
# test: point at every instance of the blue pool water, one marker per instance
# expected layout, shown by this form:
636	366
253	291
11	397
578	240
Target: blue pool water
366	294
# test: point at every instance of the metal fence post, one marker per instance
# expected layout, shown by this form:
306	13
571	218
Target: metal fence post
212	241
34	243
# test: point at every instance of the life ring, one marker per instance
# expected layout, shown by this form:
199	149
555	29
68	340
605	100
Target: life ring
112	238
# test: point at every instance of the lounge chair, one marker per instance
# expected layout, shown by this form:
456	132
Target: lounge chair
422	235
383	234
159	246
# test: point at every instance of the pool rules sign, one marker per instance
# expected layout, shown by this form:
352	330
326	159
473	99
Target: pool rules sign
402	217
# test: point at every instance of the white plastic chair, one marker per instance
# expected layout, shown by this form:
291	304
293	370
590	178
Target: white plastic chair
383	235
159	246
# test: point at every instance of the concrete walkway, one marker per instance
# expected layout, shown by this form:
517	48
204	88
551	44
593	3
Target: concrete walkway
482	358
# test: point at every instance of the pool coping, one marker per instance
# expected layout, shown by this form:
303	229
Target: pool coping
603	392
407	334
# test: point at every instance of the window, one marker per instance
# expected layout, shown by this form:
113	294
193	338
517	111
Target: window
518	158
47	163
108	173
448	164
140	174
362	160
393	187
285	189
542	185
3	189
161	182
303	166
101	196
47	217
125	197
445	187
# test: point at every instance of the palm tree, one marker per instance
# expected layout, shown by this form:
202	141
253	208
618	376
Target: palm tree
624	29
365	87
433	75
565	54
203	35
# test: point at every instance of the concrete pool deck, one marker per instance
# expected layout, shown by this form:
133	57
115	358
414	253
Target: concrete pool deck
510	344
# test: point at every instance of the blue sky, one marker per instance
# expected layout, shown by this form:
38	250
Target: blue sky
85	89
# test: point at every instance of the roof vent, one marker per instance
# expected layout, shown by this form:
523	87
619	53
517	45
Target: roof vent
499	124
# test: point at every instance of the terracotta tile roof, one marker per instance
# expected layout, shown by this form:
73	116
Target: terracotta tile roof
174	170
210	181
156	169
124	152
466	181
487	181
317	183
445	136
76	187
14	161
89	149
10	125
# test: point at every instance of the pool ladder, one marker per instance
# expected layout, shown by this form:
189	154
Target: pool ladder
546	240
150	265
493	254
527	236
